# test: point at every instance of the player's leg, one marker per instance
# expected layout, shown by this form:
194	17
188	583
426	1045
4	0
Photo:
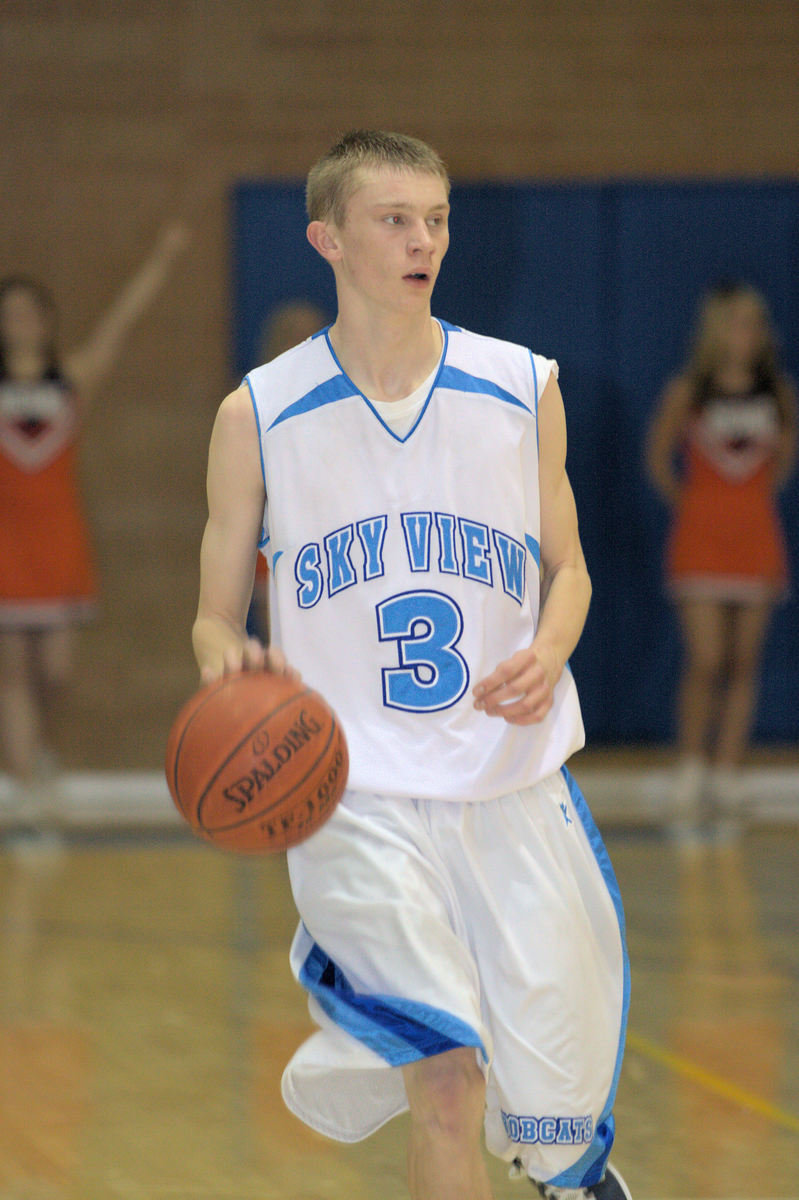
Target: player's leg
748	626
545	923
20	719
702	623
384	954
446	1095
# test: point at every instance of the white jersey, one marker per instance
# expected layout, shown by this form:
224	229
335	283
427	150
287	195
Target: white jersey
405	569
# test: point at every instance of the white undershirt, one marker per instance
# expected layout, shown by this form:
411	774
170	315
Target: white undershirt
400	415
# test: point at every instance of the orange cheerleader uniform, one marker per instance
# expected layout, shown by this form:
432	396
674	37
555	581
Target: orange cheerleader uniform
47	575
726	543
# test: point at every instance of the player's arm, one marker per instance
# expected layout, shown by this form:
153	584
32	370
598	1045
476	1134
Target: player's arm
521	689
665	434
229	545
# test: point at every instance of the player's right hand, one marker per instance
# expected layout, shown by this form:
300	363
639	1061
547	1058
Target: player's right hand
277	663
249	655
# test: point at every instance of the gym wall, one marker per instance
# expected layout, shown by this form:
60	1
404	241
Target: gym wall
119	116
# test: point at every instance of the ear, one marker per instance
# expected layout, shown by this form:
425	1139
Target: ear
323	239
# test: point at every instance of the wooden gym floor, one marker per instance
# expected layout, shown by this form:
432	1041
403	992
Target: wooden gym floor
147	1011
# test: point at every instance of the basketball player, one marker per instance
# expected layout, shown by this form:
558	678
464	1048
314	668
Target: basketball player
462	935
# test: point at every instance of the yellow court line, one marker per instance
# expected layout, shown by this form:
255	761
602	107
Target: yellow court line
712	1082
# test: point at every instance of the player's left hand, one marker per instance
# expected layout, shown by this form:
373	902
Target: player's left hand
521	688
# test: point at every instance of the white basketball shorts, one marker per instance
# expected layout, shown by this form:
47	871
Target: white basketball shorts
429	925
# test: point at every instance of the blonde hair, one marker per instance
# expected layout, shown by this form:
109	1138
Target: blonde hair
708	341
333	179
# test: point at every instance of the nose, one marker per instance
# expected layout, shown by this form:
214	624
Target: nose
420	237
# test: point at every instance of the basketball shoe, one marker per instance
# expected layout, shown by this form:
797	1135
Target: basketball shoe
611	1187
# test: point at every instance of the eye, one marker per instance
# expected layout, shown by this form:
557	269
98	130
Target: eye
394	219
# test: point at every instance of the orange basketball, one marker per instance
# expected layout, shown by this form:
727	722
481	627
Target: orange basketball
256	762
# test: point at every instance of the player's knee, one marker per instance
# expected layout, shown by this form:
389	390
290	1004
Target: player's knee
446	1095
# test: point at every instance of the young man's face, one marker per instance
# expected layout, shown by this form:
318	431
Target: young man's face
393	238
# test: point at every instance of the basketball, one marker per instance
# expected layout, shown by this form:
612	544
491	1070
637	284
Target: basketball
256	762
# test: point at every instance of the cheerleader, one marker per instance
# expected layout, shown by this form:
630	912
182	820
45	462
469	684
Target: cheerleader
721	446
48	582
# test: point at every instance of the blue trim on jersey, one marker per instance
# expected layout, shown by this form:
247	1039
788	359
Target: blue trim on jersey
436	382
264	540
590	1168
399	1030
535	391
535	382
258	427
388	429
339	387
276	559
462	381
357	391
534	548
448	326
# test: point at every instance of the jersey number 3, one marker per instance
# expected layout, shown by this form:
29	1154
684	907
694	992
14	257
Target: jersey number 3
431	674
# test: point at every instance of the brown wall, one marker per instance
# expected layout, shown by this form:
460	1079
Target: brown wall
117	114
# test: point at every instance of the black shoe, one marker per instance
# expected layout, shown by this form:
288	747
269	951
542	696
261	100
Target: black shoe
610	1187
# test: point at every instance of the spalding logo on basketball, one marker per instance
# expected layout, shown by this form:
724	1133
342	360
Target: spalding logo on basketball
256	762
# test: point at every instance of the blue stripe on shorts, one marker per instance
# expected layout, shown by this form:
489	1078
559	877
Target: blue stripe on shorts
399	1030
591	1167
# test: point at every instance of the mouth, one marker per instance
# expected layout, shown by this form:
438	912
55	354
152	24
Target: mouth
418	276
